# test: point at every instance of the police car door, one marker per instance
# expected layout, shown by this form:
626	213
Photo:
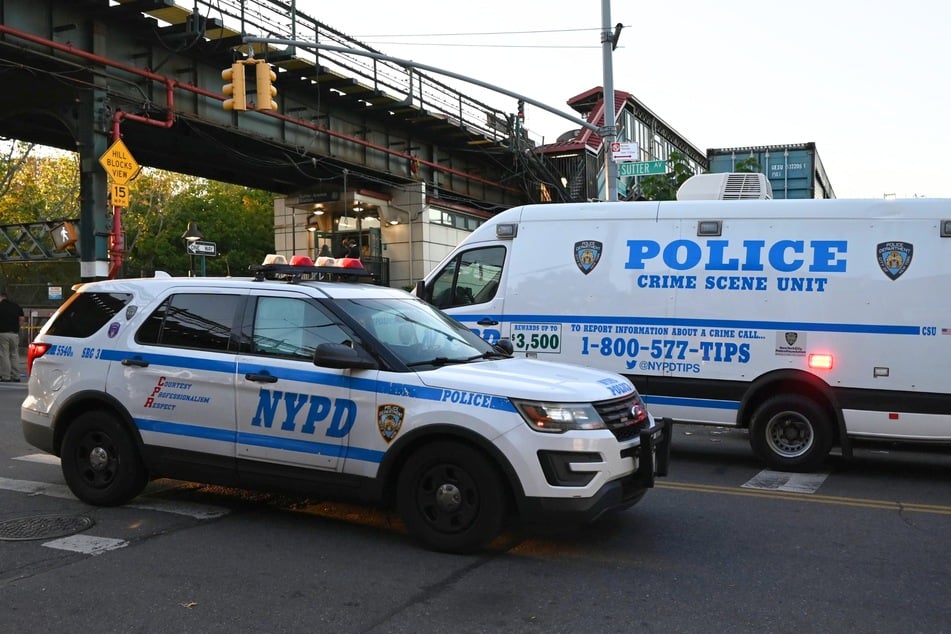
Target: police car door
176	377
291	412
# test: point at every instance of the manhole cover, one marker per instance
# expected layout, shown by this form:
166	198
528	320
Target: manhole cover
43	527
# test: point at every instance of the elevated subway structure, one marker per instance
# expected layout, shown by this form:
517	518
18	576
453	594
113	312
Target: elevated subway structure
349	132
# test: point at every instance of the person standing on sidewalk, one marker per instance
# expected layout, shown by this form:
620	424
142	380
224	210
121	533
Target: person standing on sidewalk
11	318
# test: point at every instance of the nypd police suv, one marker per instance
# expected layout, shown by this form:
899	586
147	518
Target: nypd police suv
289	381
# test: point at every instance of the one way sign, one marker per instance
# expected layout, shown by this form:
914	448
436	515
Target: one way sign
200	247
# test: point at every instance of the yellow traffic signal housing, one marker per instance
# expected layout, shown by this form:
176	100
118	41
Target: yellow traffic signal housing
266	91
235	89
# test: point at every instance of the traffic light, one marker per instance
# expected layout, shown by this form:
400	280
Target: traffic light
266	91
235	88
521	110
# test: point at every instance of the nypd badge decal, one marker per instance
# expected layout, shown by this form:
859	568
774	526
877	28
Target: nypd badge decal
389	419
894	258
587	255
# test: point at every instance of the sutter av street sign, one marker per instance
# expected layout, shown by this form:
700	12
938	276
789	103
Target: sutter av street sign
642	168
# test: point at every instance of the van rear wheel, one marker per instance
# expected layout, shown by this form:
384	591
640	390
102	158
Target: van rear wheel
451	497
791	433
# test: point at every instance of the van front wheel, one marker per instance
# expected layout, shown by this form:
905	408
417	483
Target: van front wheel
791	433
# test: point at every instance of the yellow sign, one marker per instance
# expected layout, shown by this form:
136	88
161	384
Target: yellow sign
120	195
119	163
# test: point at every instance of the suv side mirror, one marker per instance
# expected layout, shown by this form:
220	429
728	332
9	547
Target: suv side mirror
338	355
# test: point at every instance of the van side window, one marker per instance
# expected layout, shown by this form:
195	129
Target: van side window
192	320
472	277
290	327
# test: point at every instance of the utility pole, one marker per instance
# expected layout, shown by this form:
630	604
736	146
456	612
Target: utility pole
608	131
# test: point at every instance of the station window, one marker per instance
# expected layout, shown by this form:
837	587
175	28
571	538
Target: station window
454	219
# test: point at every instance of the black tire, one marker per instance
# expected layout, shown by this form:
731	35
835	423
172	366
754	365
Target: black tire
100	461
451	498
791	433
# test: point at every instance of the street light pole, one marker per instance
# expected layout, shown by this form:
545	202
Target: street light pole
192	234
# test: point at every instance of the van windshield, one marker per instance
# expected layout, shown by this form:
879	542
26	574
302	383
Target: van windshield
416	333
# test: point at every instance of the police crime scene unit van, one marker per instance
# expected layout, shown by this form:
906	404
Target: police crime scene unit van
810	322
341	389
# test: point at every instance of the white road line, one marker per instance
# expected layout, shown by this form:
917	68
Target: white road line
782	481
36	488
189	509
42	458
86	544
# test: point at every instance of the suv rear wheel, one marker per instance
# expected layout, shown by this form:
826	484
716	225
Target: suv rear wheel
100	461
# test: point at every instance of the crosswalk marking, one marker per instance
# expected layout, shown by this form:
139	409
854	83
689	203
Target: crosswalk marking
36	488
782	481
86	544
41	458
189	509
96	545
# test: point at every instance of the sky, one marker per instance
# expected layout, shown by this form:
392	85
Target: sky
867	81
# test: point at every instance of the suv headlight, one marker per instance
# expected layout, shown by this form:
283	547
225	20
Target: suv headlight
558	418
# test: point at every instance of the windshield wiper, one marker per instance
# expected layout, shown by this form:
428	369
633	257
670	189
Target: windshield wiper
490	354
439	361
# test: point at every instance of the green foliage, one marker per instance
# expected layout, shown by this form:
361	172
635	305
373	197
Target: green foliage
239	220
41	186
36	187
665	186
748	165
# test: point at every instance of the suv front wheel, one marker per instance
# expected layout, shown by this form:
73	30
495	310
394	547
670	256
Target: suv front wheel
100	462
451	497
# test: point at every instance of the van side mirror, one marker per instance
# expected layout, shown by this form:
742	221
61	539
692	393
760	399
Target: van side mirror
421	291
505	345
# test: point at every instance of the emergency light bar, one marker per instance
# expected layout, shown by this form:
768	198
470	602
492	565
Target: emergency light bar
330	269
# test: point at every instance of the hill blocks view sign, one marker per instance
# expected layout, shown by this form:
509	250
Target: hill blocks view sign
119	163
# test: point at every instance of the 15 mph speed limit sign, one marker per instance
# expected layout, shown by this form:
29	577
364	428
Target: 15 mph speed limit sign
119	195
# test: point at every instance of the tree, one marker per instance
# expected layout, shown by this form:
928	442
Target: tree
665	186
239	220
37	185
42	186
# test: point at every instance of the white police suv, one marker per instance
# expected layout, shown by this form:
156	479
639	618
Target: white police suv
333	388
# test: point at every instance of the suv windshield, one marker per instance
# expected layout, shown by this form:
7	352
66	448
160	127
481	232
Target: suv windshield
417	333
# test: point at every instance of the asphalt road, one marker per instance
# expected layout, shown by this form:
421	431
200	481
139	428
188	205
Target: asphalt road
719	545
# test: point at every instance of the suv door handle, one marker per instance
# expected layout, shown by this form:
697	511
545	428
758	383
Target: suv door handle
263	377
485	321
138	362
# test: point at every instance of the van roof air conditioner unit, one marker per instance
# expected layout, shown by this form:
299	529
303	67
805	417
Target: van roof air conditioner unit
726	186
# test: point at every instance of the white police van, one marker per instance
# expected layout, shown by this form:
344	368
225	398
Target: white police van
342	389
812	323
